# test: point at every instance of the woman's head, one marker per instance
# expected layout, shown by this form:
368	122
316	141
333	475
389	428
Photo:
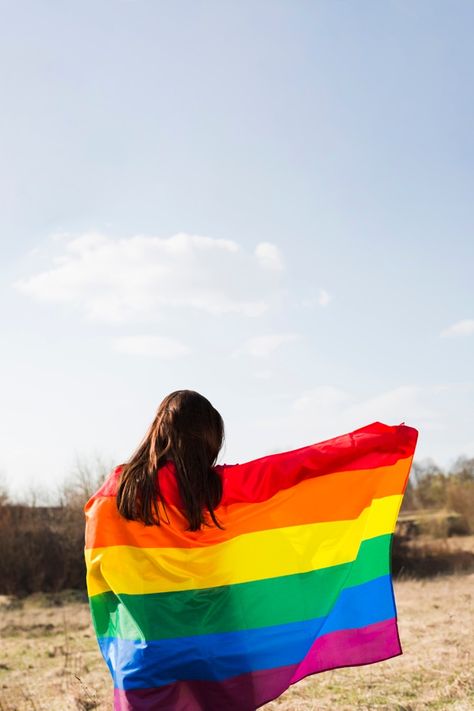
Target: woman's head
186	420
189	431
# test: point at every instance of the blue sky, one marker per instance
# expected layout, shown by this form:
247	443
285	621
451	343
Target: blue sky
269	202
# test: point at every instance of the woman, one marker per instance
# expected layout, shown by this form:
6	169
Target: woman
217	587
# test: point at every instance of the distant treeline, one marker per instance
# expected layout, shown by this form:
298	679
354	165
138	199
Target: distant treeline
430	488
42	547
42	538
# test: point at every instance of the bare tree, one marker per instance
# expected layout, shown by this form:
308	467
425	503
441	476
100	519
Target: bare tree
463	469
36	495
4	495
87	475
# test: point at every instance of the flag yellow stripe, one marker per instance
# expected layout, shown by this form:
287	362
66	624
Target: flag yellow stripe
253	556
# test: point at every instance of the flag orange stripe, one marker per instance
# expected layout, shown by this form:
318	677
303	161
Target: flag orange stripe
318	499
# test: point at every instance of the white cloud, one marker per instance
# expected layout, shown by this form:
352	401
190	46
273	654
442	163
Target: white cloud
461	328
143	277
264	346
398	405
325	396
314	299
324	297
327	411
263	374
269	256
147	345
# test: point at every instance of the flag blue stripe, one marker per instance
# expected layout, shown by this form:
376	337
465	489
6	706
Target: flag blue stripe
216	657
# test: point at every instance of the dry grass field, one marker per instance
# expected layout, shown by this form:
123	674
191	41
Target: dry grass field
49	659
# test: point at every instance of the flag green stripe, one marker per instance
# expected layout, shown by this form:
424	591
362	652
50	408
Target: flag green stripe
261	603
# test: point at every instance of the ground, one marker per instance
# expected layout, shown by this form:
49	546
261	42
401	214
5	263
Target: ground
49	660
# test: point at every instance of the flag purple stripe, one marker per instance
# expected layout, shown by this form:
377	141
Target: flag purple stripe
355	647
346	648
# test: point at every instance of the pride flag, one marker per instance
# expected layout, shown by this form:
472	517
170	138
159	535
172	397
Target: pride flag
298	582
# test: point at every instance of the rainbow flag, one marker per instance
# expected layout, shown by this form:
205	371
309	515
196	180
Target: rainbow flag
298	582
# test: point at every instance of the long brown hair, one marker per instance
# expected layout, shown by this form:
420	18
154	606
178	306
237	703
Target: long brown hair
189	431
